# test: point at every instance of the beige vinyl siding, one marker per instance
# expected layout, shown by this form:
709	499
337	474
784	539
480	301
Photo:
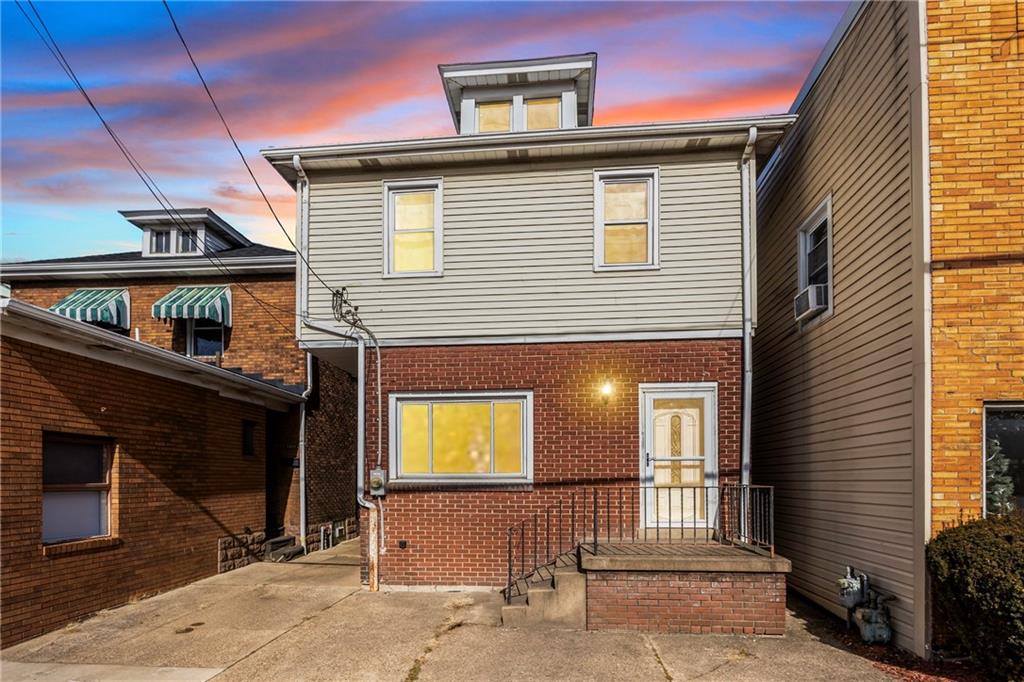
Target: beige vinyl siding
518	253
833	404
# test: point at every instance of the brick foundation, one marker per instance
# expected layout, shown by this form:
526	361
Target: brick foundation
695	603
457	537
179	483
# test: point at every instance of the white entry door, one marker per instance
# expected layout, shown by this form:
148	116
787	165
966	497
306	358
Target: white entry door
679	454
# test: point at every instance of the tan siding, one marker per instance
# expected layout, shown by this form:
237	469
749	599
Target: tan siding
833	405
518	253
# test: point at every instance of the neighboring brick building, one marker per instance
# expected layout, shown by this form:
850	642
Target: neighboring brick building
251	292
126	469
976	130
889	376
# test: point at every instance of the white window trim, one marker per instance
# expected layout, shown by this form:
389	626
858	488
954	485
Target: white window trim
190	328
394	437
171	240
822	211
174	248
437	185
564	90
653	176
985	407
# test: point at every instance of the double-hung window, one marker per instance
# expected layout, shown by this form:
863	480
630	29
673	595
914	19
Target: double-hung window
626	219
412	220
814	264
205	338
160	241
462	437
76	487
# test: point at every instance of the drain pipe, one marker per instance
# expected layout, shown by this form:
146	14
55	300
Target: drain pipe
747	176
302	452
372	543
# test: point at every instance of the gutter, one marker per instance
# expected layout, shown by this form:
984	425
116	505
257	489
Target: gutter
748	185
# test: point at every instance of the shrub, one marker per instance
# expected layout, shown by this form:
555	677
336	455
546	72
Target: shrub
977	571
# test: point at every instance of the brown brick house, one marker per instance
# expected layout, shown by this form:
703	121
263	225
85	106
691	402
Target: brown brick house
201	289
889	389
562	313
105	496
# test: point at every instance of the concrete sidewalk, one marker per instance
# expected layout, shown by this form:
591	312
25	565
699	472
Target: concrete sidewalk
310	620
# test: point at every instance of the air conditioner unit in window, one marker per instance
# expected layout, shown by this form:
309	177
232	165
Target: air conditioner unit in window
810	301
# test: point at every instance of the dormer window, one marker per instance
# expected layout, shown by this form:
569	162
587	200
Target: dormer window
543	113
160	241
188	241
494	117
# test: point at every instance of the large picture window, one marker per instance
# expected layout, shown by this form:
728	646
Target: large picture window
76	487
412	217
462	437
626	219
1004	458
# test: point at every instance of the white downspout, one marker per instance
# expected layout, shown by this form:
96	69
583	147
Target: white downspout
747	191
372	530
302	452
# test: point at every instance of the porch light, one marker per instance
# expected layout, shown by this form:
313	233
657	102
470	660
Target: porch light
606	391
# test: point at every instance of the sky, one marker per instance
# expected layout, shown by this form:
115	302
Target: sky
293	73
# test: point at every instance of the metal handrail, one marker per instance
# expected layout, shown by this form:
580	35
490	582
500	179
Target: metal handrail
584	518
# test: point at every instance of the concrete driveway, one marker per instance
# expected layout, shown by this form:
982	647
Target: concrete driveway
310	620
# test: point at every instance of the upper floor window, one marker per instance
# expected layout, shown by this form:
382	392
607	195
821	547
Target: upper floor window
188	241
494	117
413	227
76	487
205	338
814	264
160	241
626	219
462	436
543	113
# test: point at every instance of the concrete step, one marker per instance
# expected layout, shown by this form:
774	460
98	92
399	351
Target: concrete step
555	598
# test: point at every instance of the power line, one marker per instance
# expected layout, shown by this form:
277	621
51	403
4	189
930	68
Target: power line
238	149
140	171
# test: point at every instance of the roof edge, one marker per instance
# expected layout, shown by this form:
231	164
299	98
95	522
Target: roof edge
158	267
853	11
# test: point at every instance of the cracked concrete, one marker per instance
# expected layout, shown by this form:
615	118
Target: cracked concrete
311	620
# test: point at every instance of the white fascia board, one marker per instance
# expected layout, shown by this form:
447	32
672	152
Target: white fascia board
163	267
37	325
503	70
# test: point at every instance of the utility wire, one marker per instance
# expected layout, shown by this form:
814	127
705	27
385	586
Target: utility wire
140	171
238	149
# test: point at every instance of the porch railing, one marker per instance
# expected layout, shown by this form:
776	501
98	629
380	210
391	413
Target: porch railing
591	517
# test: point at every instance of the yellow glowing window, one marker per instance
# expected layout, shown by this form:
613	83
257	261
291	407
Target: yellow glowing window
413	229
494	117
625	230
544	113
452	438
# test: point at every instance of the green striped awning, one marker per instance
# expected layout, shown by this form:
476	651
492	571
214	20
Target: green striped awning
110	306
206	303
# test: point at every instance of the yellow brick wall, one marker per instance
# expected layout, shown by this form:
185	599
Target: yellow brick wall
976	126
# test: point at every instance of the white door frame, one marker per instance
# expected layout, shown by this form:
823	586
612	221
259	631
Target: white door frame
707	391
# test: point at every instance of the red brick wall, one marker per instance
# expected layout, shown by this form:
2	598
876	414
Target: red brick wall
258	342
457	537
175	490
696	603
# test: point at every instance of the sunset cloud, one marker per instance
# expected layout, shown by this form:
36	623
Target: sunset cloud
311	72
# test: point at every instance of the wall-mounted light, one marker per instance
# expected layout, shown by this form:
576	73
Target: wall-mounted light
606	392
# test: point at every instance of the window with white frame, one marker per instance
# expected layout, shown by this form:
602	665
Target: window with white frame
160	241
412	220
474	437
1004	458
76	487
205	338
543	113
626	219
494	117
814	263
188	241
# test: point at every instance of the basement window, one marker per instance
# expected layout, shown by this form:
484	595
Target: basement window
462	437
76	487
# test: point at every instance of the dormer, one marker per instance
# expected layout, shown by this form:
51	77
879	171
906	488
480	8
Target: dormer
185	232
526	95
